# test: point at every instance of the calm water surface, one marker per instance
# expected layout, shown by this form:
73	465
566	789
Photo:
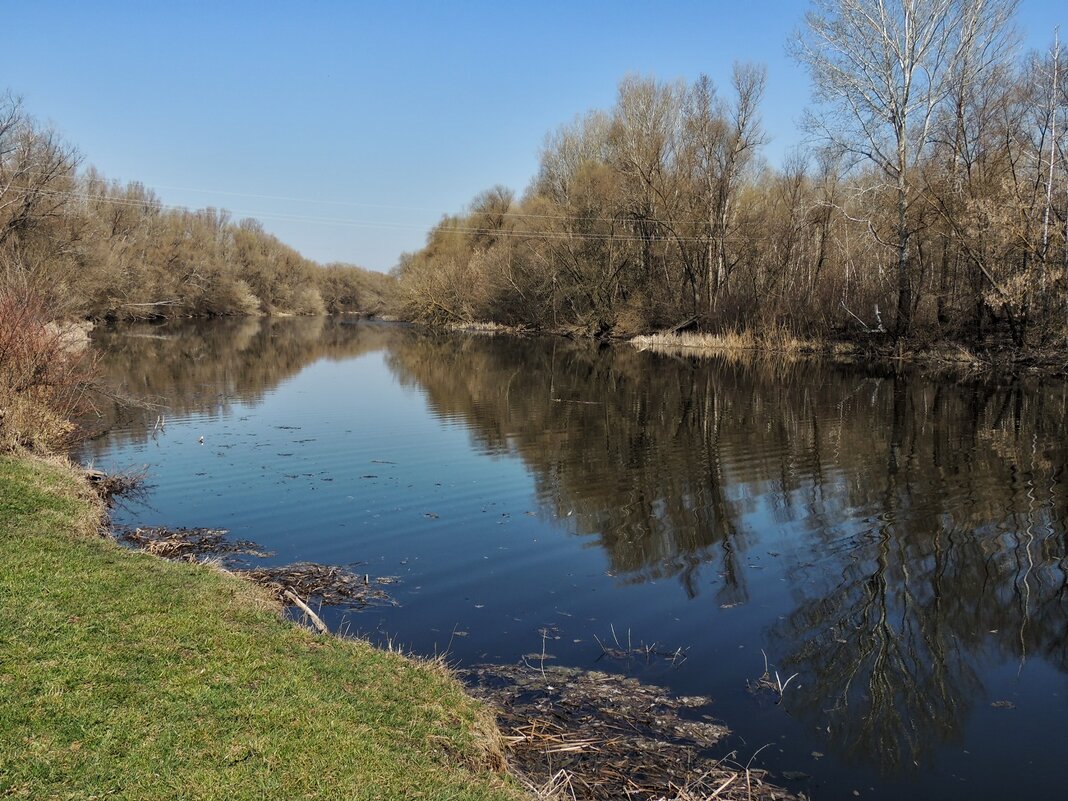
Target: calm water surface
898	542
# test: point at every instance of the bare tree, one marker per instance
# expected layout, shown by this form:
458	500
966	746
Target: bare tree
883	67
37	170
744	138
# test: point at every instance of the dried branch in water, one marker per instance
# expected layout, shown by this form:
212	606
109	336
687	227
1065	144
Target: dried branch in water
648	652
317	621
328	584
110	486
770	682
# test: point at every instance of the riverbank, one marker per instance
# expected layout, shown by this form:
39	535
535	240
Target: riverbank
131	676
877	347
937	355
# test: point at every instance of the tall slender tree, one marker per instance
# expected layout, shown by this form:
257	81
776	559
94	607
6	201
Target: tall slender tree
881	69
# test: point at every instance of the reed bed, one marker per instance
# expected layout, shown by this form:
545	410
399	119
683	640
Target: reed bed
778	341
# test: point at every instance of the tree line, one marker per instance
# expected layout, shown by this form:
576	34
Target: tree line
74	245
89	247
932	200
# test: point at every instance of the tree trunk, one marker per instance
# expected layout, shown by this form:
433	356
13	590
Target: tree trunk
904	285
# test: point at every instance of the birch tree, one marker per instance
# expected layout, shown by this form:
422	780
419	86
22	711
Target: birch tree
881	69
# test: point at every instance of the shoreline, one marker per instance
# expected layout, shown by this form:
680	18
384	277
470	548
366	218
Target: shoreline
468	714
937	355
929	355
934	354
127	673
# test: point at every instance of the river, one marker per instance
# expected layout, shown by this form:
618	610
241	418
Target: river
897	541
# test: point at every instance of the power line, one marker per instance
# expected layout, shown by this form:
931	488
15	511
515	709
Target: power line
517	214
471	230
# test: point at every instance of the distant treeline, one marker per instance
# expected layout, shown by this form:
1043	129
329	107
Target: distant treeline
91	247
931	202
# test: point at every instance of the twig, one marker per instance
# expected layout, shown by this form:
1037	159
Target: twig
315	619
782	687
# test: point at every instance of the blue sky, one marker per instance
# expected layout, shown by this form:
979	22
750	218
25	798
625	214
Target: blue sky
348	128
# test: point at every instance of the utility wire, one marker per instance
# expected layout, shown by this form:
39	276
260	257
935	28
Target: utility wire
118	186
148	204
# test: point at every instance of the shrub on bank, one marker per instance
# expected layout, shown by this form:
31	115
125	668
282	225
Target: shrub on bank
44	372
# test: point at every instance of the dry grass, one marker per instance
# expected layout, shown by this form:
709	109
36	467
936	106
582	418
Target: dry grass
478	327
328	584
593	736
186	543
778	341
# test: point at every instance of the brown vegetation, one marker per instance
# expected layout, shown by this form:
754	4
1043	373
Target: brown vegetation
43	376
934	207
89	247
326	584
588	735
77	246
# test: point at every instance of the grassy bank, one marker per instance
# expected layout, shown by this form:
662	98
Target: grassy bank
126	676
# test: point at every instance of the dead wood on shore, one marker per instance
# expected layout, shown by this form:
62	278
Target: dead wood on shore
595	736
187	543
329	584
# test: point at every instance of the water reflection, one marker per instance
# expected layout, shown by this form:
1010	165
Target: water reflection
964	558
192	367
929	516
918	526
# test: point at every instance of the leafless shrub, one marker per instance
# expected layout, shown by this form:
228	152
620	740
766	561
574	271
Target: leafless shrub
43	379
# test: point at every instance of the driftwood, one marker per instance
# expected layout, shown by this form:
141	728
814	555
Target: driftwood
291	596
689	322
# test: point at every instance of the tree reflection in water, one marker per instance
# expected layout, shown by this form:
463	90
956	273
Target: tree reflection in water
925	520
931	512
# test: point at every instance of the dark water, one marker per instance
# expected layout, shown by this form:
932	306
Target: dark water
898	542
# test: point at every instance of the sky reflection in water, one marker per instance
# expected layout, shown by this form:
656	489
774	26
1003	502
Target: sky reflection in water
899	542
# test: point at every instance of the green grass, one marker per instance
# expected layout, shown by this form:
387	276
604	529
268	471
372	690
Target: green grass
125	676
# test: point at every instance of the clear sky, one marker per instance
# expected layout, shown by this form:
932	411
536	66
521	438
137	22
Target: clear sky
348	128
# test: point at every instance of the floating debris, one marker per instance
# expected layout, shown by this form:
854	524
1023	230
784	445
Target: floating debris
187	543
606	736
626	652
769	683
329	584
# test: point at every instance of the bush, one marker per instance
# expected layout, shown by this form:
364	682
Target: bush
44	375
307	300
